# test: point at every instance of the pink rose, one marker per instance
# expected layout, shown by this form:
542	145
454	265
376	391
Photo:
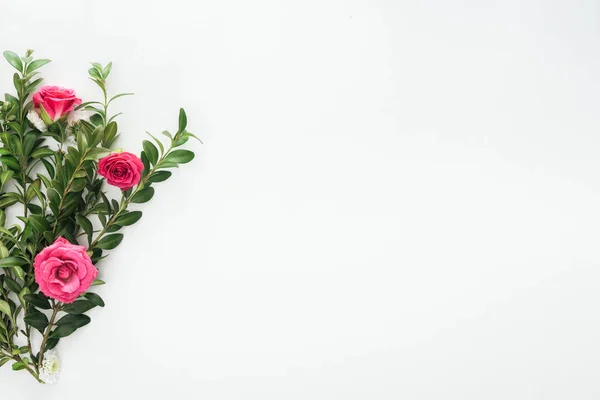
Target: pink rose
123	170
64	270
57	101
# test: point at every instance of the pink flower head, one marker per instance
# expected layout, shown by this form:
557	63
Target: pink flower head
64	270
123	170
57	101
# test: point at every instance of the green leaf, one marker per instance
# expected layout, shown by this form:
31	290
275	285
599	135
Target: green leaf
77	320
54	199
151	151
10	161
10	262
159	176
78	185
63	331
107	70
96	153
12	284
110	132
7	201
143	195
51	343
158	142
35	65
42	152
129	219
38	300
5	176
94	298
94	73
13	60
78	307
39	223
180	156
98	282
119	95
19	272
85	224
110	242
18	366
5	308
37	319
3	250
182	120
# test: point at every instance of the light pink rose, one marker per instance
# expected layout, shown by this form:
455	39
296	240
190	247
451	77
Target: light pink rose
64	270
123	170
56	100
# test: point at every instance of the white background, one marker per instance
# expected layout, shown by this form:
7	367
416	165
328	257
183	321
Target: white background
394	200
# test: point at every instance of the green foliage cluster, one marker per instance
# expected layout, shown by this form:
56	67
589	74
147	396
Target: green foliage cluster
51	180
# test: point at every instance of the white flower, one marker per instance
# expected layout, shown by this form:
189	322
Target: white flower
74	117
50	368
35	119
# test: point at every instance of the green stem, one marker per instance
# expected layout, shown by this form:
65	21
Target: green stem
18	358
47	334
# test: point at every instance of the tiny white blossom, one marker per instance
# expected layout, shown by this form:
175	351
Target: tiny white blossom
50	368
35	119
74	117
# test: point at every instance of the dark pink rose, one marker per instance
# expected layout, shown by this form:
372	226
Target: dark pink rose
57	101
64	270
123	170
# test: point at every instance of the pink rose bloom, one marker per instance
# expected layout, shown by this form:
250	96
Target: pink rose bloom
64	270
57	101
123	170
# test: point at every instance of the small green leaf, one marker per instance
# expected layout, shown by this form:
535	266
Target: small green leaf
13	60
38	300
10	262
63	331
78	307
19	272
18	366
78	185
129	219
7	201
119	95
110	242
98	282
159	176
51	343
39	223
3	250
143	195
85	224
107	70
10	161
36	64
37	319
94	298
5	308
180	156
77	320
97	153
12	284
182	120
151	151
94	73
158	142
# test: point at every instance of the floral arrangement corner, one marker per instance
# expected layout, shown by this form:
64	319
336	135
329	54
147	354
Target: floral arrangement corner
57	154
